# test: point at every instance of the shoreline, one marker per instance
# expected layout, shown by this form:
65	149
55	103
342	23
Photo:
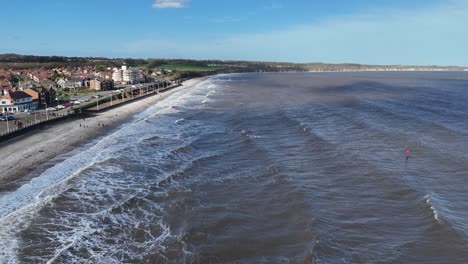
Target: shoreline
21	156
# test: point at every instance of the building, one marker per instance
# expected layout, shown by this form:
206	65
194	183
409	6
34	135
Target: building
62	82
126	75
34	93
48	84
77	82
102	85
42	96
70	84
86	82
117	75
16	102
95	85
5	89
130	75
107	85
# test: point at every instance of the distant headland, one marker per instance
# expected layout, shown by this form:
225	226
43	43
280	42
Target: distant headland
16	61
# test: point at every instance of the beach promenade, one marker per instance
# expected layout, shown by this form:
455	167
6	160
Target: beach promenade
21	155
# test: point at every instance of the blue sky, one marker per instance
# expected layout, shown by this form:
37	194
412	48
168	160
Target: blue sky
422	32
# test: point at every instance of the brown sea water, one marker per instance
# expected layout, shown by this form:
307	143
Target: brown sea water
262	168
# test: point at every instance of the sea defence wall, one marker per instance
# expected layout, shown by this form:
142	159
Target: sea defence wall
82	113
108	105
28	128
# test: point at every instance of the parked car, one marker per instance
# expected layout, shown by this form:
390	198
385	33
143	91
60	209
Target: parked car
5	118
60	107
77	102
68	104
51	109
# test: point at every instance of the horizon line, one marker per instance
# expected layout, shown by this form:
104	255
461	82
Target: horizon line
231	60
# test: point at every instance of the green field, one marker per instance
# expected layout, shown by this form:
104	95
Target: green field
189	68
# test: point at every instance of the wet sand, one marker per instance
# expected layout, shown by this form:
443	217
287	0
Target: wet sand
22	155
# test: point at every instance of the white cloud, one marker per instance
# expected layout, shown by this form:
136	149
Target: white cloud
170	3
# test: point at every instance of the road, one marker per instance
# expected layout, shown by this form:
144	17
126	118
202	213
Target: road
43	114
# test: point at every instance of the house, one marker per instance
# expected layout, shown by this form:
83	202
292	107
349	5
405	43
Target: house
34	93
86	82
102	85
95	85
5	89
42	96
77	82
107	84
16	102
61	82
48	84
70	84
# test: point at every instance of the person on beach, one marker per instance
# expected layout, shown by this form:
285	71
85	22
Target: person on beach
407	154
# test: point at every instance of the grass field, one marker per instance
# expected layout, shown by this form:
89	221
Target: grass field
189	68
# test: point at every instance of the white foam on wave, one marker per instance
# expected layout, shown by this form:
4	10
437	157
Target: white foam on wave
210	93
179	120
17	209
192	98
434	210
87	237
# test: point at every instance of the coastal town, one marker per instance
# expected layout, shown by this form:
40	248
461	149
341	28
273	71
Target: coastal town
28	97
39	89
204	131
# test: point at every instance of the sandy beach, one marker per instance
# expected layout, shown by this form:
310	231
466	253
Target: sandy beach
22	155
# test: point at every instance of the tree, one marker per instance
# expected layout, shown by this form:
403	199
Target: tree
100	68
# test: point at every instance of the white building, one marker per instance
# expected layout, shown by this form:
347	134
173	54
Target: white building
16	102
125	74
117	75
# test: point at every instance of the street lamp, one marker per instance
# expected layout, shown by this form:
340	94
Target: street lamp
47	113
7	125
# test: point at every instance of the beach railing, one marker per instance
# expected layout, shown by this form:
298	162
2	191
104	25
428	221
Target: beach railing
17	126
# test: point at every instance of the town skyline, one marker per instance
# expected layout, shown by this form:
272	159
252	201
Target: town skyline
385	33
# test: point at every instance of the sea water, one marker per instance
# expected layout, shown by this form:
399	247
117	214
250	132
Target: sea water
262	168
